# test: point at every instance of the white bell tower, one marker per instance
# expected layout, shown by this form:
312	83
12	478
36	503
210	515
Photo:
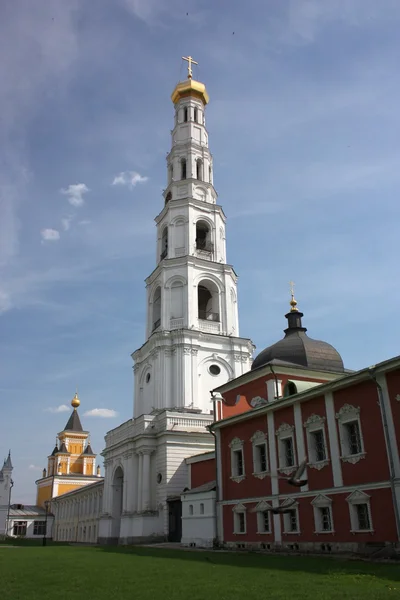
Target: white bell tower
192	330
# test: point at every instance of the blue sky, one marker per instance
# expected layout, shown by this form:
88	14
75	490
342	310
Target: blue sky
304	128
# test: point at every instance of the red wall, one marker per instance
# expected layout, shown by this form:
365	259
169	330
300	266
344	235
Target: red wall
323	478
202	472
393	383
383	522
250	390
374	467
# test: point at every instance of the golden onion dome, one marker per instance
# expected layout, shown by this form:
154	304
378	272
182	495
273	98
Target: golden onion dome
75	402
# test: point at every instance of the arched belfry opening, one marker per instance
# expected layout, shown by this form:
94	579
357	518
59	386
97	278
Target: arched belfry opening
117	500
195	116
183	168
164	243
199	169
157	308
203	237
185	114
208	301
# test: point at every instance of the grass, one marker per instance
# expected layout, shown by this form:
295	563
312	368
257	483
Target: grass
75	572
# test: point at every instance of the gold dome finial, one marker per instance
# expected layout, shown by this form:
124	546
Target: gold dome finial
190	87
293	301
75	402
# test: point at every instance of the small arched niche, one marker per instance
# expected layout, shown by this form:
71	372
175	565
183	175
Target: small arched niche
203	236
156	314
164	243
208	301
199	169
183	168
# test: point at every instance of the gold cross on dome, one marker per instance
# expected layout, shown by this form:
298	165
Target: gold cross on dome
292	284
190	62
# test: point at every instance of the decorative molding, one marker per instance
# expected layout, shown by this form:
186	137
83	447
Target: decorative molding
358	497
236	443
319	465
314	420
353	458
239	508
261	475
287	470
347	410
187	350
321	500
262	506
258	437
194	351
257	401
238	478
284	428
397	397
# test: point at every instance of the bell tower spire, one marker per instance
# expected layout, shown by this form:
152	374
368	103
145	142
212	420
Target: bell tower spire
193	342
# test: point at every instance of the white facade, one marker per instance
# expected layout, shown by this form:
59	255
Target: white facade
199	517
192	346
77	514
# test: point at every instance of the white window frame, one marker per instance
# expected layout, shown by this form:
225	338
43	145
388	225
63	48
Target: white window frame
236	445
322	501
286	520
239	509
359	497
346	415
260	509
259	438
315	423
284	432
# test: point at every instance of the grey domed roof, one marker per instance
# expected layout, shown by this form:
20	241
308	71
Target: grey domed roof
296	347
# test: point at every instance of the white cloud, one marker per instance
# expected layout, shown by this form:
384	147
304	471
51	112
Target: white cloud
66	222
50	235
105	413
129	178
58	409
34	468
75	193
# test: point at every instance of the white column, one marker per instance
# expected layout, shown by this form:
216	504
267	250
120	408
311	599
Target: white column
126	462
139	482
301	450
333	440
146	480
133	483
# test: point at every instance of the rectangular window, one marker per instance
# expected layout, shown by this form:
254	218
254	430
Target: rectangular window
19	528
238	469
325	518
318	445
288	452
260	456
264	522
353	436
362	512
39	528
290	521
240	522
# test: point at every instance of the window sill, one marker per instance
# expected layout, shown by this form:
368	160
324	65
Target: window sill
331	532
238	478
239	532
264	532
353	531
261	474
292	532
319	464
287	470
353	458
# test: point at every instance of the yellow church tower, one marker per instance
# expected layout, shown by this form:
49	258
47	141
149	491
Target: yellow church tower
72	464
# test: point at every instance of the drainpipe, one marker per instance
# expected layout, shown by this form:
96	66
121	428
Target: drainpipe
276	382
216	396
389	452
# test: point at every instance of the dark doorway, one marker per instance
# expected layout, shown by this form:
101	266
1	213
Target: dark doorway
174	520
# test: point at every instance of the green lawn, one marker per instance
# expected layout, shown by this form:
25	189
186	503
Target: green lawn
75	573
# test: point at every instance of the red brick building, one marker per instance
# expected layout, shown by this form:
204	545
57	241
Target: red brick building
299	402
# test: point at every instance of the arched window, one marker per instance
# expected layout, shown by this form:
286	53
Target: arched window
168	197
164	243
203	237
199	169
183	168
209	174
208	301
157	308
185	114
190	509
201	508
195	115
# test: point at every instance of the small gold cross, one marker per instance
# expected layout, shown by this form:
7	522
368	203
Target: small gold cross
292	284
190	62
